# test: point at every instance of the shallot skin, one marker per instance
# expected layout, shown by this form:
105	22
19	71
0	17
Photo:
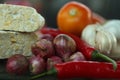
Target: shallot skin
52	61
44	48
77	56
64	46
17	64
36	64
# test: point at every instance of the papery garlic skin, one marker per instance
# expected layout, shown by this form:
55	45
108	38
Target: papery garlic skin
105	38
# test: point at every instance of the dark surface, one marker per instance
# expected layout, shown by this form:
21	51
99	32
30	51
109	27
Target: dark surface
5	76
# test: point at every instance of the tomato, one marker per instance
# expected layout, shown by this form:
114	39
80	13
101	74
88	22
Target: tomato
73	17
96	18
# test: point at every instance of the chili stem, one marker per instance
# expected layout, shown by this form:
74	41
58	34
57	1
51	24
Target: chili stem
50	72
97	55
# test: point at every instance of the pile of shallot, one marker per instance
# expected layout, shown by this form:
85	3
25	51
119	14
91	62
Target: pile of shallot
47	52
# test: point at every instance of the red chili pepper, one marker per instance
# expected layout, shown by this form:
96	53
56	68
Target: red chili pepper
83	69
89	52
52	31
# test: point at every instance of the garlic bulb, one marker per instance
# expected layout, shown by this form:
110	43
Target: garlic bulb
105	38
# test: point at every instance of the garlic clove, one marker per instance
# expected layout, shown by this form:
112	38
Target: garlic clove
113	27
113	40
107	41
89	34
103	43
115	53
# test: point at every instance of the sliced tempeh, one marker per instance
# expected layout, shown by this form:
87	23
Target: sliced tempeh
16	43
20	18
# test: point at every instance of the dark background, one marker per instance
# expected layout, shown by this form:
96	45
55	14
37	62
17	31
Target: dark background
109	9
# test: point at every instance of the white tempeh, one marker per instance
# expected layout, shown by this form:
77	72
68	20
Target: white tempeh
20	18
16	43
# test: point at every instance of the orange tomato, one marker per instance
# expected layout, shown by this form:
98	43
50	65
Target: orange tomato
73	17
96	18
